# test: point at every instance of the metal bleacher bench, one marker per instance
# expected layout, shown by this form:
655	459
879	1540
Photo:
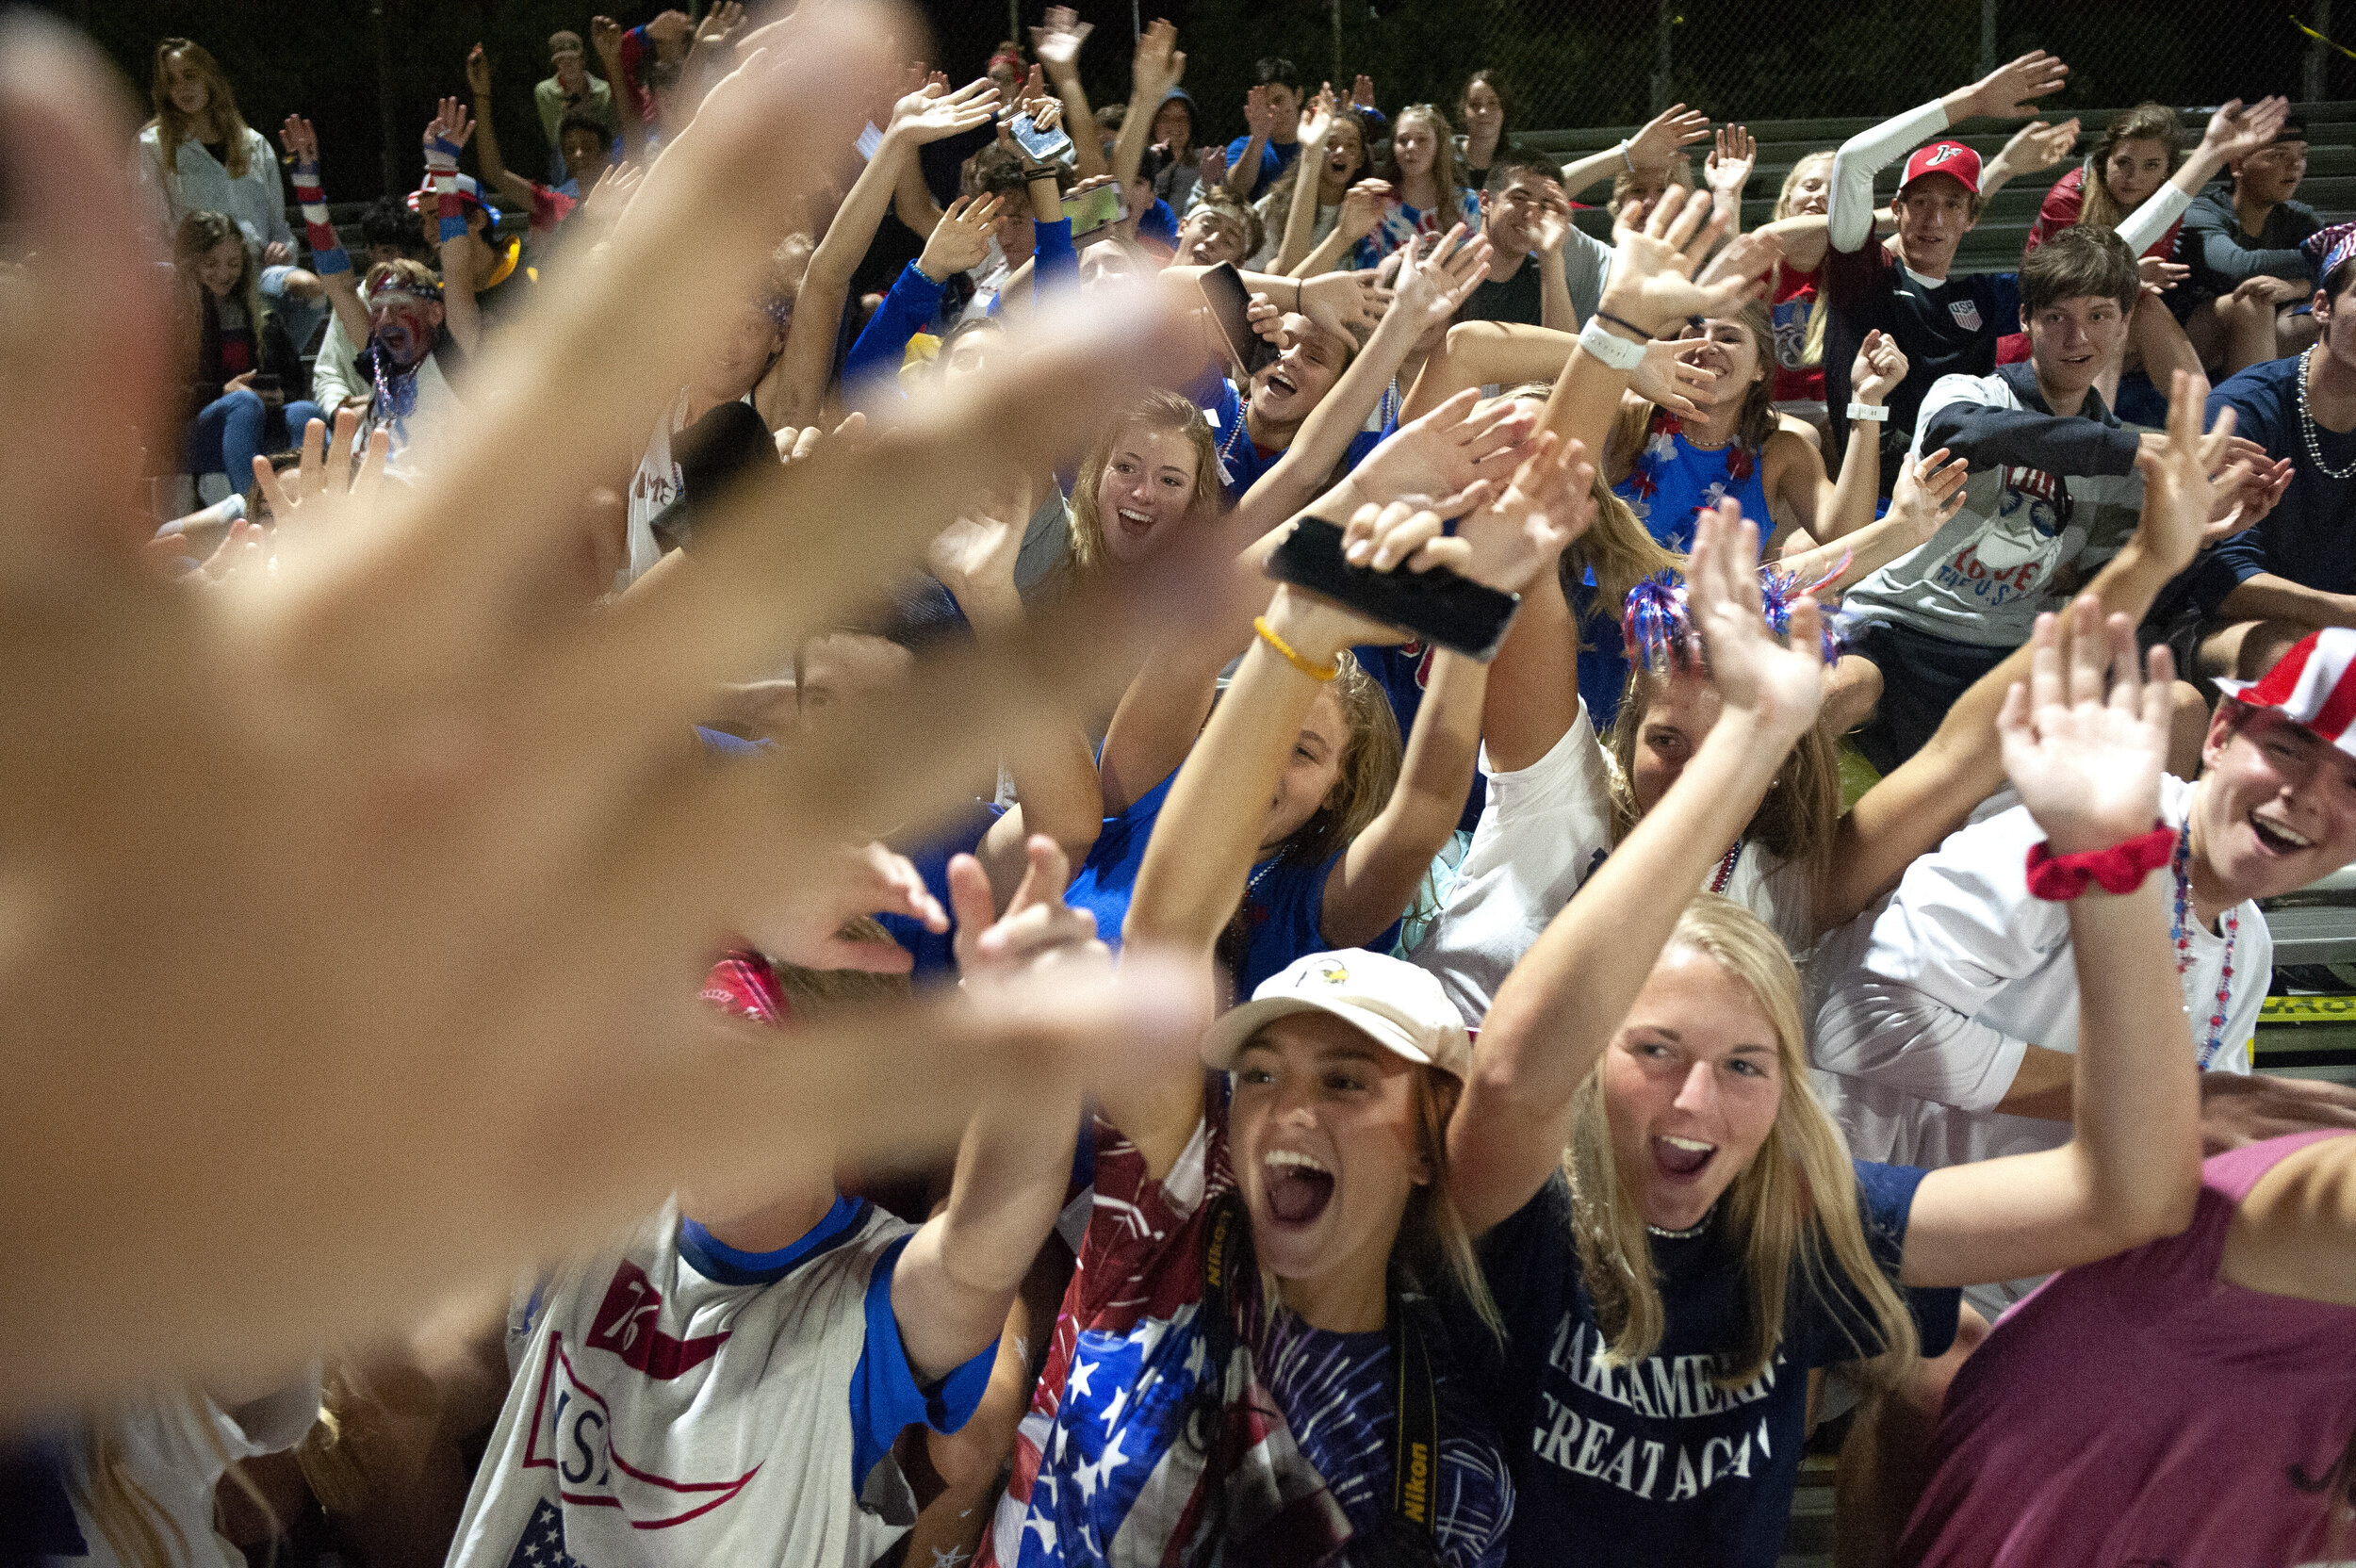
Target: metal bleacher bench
1996	244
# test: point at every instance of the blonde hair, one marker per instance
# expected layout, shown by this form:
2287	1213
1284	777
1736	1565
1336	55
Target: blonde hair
1812	340
1618	552
198	232
1624	183
220	104
1796	821
1752	426
1158	410
1793	1207
2097	207
138	1529
1443	157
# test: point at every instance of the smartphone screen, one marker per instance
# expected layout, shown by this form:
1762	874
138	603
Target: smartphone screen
1231	307
1042	146
1094	210
1438	606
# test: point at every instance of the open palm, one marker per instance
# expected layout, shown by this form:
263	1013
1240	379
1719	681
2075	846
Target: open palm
1779	683
2088	767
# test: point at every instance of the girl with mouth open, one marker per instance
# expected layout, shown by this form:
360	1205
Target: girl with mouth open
1247	1366
1668	1220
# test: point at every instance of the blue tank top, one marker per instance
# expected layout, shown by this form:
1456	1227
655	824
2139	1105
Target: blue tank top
1673	478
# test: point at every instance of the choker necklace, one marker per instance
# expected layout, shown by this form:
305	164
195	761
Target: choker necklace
2307	425
1689	1233
1706	446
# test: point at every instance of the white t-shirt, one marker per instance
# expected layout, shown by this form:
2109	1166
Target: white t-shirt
1543	831
1925	1006
679	1402
656	485
174	1446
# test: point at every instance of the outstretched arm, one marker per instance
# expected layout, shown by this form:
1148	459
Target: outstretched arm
1057	46
486	147
1663	137
2090	772
1155	68
2005	92
328	258
958	1274
444	137
1564	1001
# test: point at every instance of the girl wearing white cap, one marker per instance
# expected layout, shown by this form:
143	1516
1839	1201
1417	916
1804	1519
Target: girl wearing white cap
1670	1224
1245	1364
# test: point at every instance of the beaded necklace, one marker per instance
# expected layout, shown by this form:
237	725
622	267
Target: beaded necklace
2180	931
1725	868
1227	448
2307	426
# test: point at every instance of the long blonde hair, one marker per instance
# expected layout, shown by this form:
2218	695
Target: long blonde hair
220	105
139	1531
1813	342
1443	158
1794	1208
1618	552
1157	410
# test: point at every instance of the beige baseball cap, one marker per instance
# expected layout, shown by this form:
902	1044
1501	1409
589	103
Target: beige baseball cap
1398	1007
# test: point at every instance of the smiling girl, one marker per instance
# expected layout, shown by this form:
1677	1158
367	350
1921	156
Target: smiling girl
1668	1220
1142	482
1426	197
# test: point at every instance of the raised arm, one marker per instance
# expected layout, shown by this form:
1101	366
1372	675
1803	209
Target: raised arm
444	137
1929	794
2090	772
495	175
1662	138
1564	1001
633	105
1259	120
1058	47
2033	149
1726	171
958	1273
2234	133
1301	213
1826	509
2005	92
328	258
926	115
1362	209
1157	66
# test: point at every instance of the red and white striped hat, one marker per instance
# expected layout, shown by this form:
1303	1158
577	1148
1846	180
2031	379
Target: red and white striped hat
2314	684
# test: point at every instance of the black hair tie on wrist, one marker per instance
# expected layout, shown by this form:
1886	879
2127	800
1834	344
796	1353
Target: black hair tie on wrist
1624	322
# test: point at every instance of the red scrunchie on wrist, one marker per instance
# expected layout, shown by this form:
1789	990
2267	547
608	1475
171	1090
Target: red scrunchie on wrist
2120	869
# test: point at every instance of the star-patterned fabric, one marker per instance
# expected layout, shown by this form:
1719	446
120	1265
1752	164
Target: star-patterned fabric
1104	1470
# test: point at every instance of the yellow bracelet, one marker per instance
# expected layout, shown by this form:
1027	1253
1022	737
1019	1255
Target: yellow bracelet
1292	656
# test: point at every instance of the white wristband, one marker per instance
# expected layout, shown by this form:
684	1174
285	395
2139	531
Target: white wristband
1616	352
1873	412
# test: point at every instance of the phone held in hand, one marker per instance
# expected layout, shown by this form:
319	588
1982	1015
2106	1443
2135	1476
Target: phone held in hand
1097	209
1037	145
1231	307
1438	606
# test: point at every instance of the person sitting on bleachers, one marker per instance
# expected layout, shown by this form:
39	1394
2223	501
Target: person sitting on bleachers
2247	292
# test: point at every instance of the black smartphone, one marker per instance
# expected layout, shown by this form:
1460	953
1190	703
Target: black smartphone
1231	307
1438	606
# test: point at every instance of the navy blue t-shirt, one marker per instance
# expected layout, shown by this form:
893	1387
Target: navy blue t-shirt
936	955
1655	1464
1283	905
2307	537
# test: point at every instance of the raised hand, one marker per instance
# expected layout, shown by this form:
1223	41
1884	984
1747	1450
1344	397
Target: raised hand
1779	684
1362	207
1259	113
1505	545
2089	769
925	116
2235	132
719	24
1664	134
2038	146
1039	932
1879	368
1317	118
336	481
1158	63
301	141
1431	285
2160	274
1057	43
1669	379
1210	166
1453	458
449	129
1929	492
2185	509
806	930
2011	92
1350	303
974	556
1728	169
478	73
605	36
961	239
1362	92
1652	280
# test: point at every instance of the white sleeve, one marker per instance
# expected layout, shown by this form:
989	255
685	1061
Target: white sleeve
1850	217
270	182
2141	229
336	374
1542	832
1902	1013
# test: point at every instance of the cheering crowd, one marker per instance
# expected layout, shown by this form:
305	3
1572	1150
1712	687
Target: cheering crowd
735	874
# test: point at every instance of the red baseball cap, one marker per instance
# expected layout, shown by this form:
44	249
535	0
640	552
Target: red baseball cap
2314	684
1951	158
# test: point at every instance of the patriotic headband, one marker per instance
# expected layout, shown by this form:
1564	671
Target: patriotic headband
2312	685
2327	248
429	291
1657	628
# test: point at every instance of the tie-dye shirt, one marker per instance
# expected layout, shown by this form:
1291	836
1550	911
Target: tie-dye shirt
1104	1470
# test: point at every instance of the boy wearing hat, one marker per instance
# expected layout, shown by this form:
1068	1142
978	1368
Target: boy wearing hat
1946	1020
1946	326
